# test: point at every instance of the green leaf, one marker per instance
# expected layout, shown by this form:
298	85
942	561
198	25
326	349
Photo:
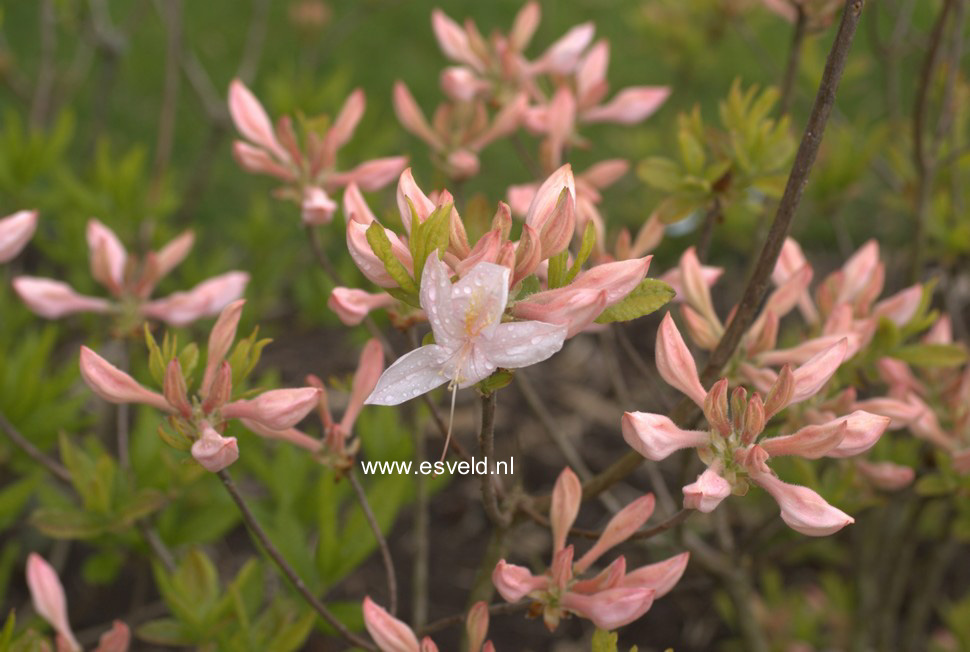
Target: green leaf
645	298
660	173
293	636
164	631
604	641
156	363
674	209
933	485
143	503
932	355
585	249
430	235
691	151
557	269
67	523
381	245
496	381
188	359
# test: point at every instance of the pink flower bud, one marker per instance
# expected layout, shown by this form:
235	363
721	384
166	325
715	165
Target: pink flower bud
902	306
515	582
696	292
213	451
661	576
704	334
54	299
356	205
477	626
453	40
612	608
886	475
816	372
390	634
317	207
373	174
162	262
863	430
485	250
175	390
802	509
221	337
277	409
524	26
462	164
221	389
561	570
204	300
857	272
528	254
675	364
779	396
407	190
562	56
810	442
901	413
116	639
576	309
656	437
411	118
257	161
108	256
754	419
369	370
344	125
566	498
15	232
941	332
365	259
591	83
707	492
620	528
506	121
48	597
352	305
114	385
251	120
630	106
552	211
461	84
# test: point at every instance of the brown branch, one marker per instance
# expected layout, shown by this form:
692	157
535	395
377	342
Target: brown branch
381	541
260	534
171	14
486	444
457	619
711	218
56	469
794	58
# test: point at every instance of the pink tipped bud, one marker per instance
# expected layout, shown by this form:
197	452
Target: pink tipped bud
365	259
886	475
858	271
408	195
675	363
221	337
812	376
739	402
54	299
390	634
453	40
704	334
369	370
863	430
707	492
15	232
213	451
175	390
612	608
566	497
317	207
277	409
345	124
754	419
461	84
620	528
258	161
206	299
116	639
562	56
166	259
780	394
251	120
661	576
630	106
524	25
477	626
553	211
411	118
716	407
528	254
902	306
221	389
561	570
114	385
515	582
108	256
352	305
49	600
810	442
591	84
696	290
656	437
802	509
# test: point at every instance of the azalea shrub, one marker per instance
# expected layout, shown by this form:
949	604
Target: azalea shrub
512	326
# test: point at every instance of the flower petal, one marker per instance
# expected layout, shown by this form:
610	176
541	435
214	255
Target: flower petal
656	437
411	375
15	232
707	492
204	300
523	343
802	509
675	363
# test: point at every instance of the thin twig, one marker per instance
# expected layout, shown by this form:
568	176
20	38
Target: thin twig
171	14
757	286
794	57
255	37
260	534
45	73
157	546
34	453
711	218
422	544
457	619
379	536
486	444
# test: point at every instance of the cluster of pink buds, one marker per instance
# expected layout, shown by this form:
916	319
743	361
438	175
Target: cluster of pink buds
613	597
131	282
735	449
47	593
392	635
940	397
15	232
309	172
337	449
390	261
200	419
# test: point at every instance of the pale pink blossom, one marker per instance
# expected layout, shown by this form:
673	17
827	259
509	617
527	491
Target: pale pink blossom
352	305
15	232
213	451
393	635
471	341
49	600
887	476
